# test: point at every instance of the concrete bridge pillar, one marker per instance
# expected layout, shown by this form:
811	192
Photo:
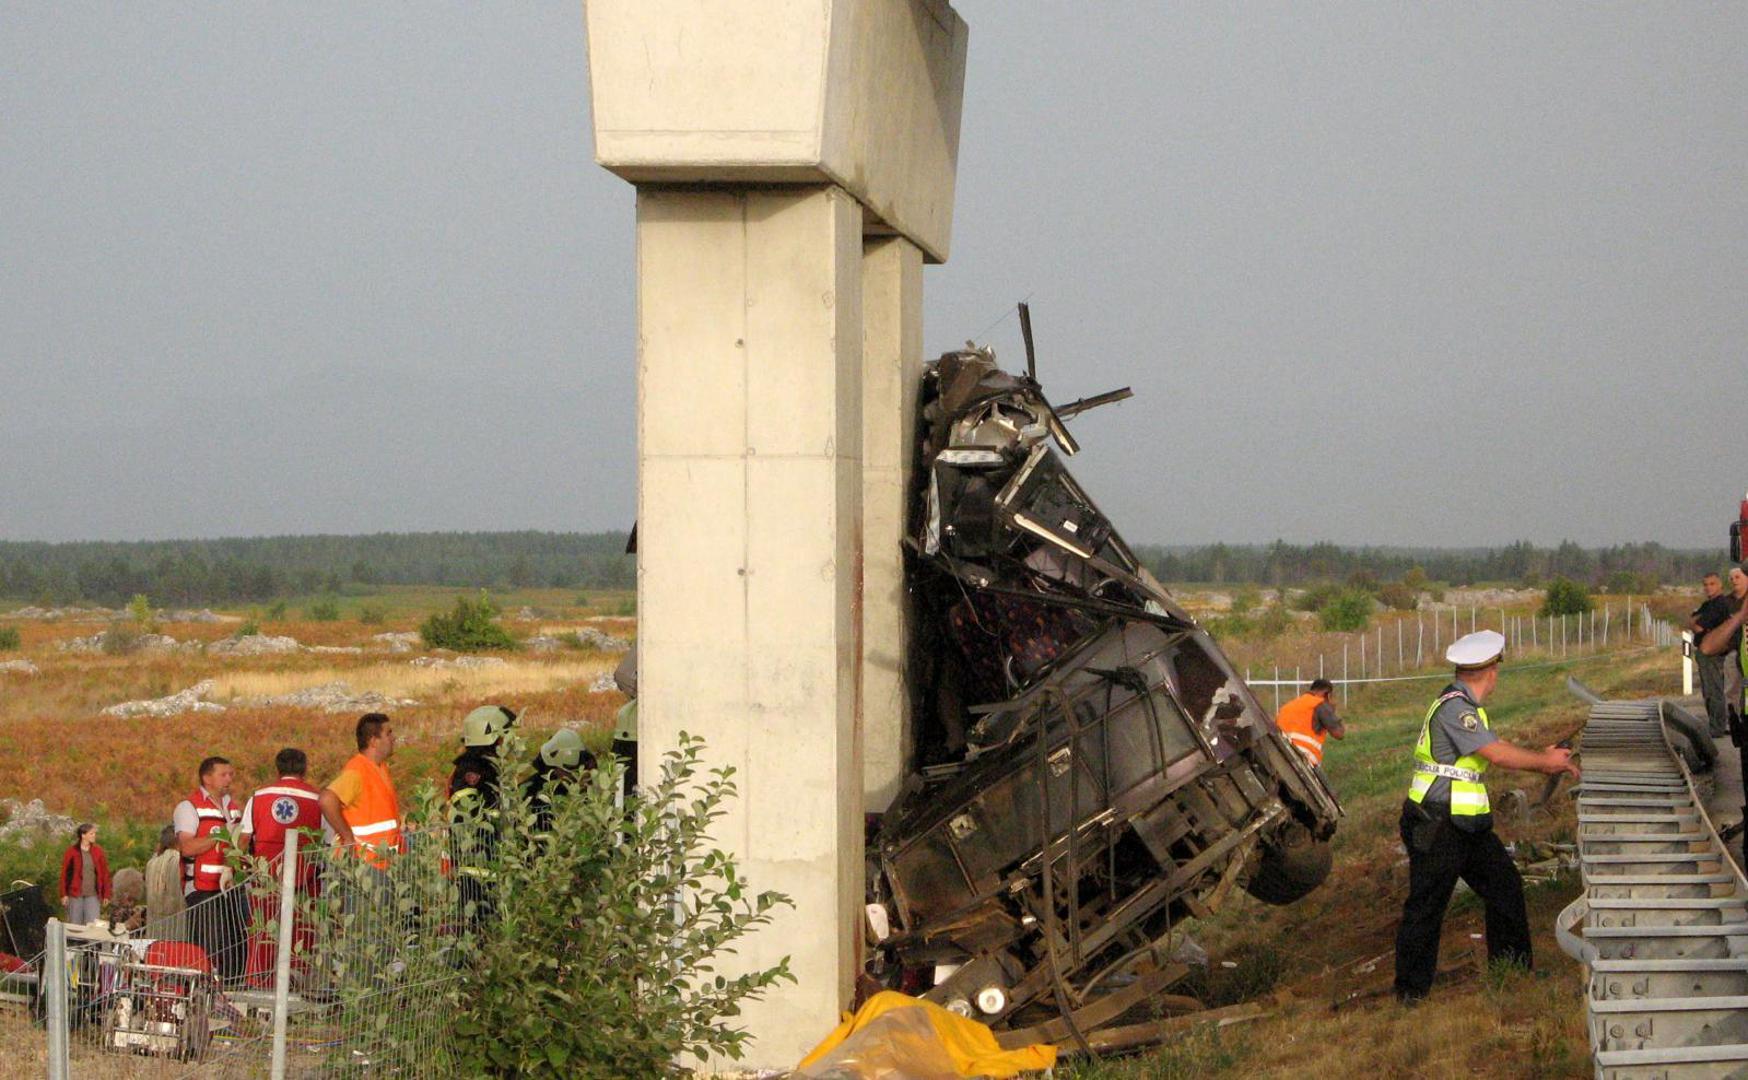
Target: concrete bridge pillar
795	164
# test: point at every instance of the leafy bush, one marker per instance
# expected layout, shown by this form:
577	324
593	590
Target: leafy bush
582	600
627	608
277	611
571	639
122	638
9	638
1397	596
1274	621
1363	580
469	627
1347	611
327	609
1316	597
1566	597
372	615
250	628
139	609
599	956
1246	600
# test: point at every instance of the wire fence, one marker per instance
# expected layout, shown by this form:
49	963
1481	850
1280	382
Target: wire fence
327	961
1412	648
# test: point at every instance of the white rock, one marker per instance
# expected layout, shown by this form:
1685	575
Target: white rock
253	645
603	683
189	700
19	667
334	697
343	650
459	662
401	642
109	639
29	822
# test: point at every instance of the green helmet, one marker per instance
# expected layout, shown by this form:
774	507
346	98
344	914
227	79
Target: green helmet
486	725
563	751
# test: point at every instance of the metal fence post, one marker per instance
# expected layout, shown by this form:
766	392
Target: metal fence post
1344	672
54	989
282	961
1277	689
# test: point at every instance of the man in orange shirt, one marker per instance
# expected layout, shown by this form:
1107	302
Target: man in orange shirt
360	804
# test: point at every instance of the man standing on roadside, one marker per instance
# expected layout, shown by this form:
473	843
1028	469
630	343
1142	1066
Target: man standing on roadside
1730	634
1712	612
360	804
204	822
1308	718
1447	821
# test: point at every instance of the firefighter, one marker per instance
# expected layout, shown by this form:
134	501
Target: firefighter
563	761
1309	718
476	768
1447	820
288	804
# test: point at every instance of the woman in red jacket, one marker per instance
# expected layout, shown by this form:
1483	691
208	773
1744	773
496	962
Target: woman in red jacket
84	877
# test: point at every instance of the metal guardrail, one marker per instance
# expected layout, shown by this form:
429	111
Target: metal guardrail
1663	922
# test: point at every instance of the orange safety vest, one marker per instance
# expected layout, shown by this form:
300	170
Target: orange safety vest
375	818
1296	721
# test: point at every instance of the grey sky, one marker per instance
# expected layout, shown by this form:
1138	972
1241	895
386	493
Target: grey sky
1378	273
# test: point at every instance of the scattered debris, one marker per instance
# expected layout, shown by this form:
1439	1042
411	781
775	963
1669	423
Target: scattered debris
459	661
253	645
334	697
29	822
19	667
189	700
402	641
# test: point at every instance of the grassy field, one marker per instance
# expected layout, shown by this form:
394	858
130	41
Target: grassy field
1329	955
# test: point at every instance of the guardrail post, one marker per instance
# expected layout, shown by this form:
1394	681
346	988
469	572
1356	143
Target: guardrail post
1686	663
54	990
282	962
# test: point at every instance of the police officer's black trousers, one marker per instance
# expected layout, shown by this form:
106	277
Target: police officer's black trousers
1438	854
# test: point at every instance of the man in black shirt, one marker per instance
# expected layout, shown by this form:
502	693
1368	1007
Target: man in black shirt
1713	611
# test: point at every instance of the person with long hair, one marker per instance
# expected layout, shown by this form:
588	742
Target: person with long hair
84	877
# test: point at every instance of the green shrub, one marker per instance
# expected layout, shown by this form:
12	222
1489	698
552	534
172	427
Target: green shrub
582	600
122	638
1363	580
250	628
139	609
277	611
9	638
600	957
1566	597
1274	621
1398	596
1347	611
1317	596
468	627
627	608
327	609
372	615
1246	600
571	639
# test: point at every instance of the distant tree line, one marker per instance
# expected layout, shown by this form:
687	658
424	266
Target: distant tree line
245	570
1623	568
240	570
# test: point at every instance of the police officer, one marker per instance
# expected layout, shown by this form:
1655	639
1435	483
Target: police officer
1447	823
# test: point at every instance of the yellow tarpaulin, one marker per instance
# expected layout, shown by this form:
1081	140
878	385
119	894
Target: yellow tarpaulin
897	1037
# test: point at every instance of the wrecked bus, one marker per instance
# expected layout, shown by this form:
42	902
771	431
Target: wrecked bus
1088	769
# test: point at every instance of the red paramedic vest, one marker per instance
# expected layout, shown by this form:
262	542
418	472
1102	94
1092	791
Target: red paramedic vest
202	872
287	803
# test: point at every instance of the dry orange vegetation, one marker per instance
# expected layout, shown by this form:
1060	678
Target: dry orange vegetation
55	745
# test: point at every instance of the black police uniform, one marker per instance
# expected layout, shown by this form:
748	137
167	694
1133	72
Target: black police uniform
1442	848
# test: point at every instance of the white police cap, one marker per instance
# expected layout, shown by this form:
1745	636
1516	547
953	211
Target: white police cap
1478	650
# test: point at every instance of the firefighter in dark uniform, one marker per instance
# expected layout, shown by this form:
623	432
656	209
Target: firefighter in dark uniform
1447	823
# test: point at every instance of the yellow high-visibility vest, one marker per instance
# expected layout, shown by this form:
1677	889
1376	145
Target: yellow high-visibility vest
1466	774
